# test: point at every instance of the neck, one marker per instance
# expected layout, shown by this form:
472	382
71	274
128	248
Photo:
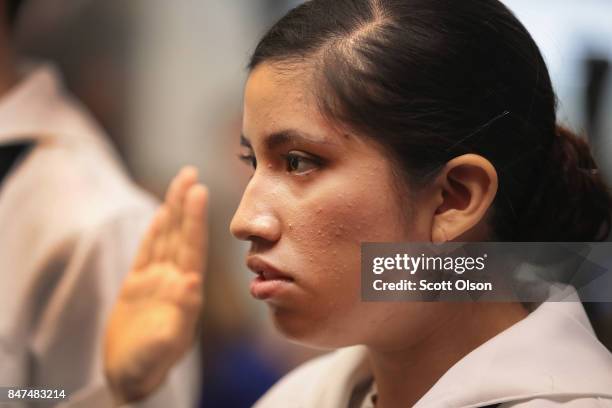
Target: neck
404	374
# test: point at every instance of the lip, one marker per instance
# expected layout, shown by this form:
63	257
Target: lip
270	281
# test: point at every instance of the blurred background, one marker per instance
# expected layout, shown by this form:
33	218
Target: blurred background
165	78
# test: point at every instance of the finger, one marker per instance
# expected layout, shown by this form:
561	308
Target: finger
175	198
145	250
175	195
161	239
194	235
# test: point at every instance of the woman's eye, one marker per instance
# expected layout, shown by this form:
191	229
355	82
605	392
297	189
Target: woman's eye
300	164
249	159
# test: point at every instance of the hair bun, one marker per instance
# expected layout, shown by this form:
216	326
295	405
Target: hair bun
573	202
572	152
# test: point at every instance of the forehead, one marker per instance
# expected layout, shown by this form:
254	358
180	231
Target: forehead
272	83
281	98
276	98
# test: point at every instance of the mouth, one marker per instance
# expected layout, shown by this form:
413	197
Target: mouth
269	282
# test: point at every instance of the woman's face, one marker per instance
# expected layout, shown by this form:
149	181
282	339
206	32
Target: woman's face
315	194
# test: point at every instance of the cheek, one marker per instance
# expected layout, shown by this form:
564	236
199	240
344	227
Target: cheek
324	232
331	221
345	215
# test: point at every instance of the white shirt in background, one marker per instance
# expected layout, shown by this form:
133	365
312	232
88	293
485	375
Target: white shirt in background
70	222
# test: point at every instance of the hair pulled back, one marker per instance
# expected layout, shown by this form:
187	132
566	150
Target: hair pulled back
433	79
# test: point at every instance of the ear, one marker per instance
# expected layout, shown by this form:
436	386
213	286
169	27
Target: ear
465	189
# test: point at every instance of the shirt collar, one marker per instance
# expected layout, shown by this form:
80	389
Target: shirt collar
24	109
552	352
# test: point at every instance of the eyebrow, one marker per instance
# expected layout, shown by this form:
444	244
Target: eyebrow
284	137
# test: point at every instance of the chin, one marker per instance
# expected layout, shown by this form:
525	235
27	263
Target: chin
308	331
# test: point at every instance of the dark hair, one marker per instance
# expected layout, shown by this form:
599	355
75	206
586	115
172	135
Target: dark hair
12	11
433	79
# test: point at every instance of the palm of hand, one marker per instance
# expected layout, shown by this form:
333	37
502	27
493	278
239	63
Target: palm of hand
154	319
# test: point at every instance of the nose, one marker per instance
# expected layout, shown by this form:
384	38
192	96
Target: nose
256	219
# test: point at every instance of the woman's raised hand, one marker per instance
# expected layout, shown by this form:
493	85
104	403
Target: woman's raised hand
154	320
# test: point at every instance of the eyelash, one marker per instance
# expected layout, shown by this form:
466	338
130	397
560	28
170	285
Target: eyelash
250	160
316	163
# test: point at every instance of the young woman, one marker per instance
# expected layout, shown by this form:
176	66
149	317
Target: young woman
386	121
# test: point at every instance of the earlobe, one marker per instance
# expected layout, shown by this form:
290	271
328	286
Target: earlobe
438	235
466	186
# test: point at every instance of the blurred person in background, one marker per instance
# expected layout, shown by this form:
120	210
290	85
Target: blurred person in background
70	219
388	122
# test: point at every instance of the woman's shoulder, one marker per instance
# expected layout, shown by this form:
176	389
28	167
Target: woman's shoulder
323	380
